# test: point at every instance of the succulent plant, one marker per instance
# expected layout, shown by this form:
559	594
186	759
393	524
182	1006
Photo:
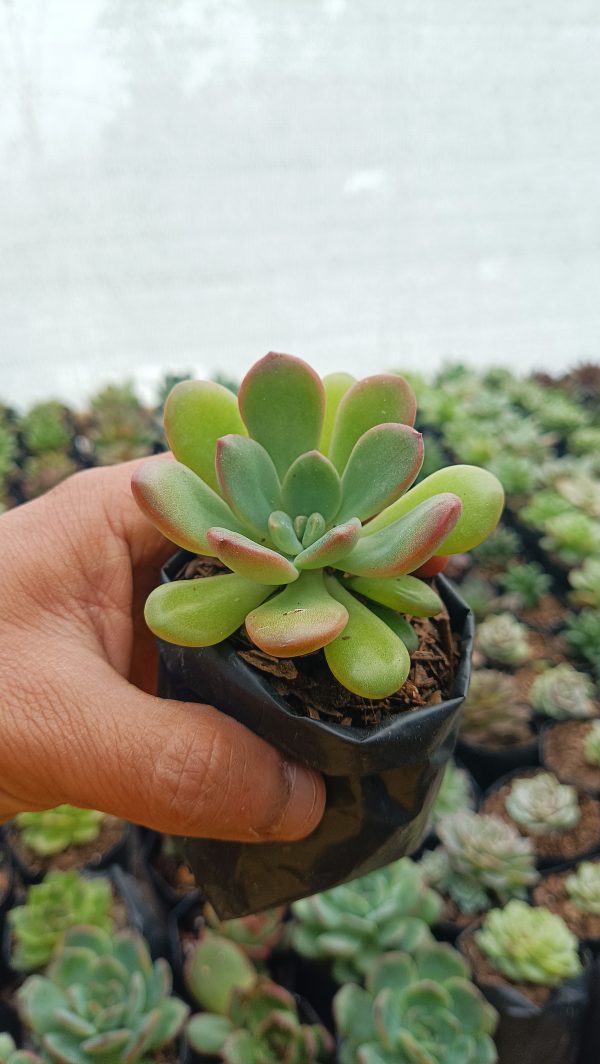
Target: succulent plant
557	413
455	793
61	901
248	1019
583	636
572	536
415	1010
298	479
492	713
585	441
46	428
582	490
479	595
528	583
483	861
586	584
591	745
44	471
121	428
563	692
518	475
8	452
391	908
102	999
541	804
500	548
583	887
503	640
9	1054
51	831
258	934
529	945
543	507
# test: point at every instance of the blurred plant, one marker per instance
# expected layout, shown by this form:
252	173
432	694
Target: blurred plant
351	925
46	428
585	441
586	584
503	640
483	861
41	472
120	427
492	712
541	804
455	793
61	901
563	693
500	548
528	583
168	382
419	1009
583	636
591	746
479	595
258	934
572	537
581	490
8	452
433	459
9	1054
518	475
583	887
226	381
51	831
529	945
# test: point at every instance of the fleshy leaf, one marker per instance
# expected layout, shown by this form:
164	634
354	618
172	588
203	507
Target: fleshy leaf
480	492
384	397
407	543
282	532
336	385
367	657
383	464
332	545
313	530
207	1032
300	525
399	625
214	969
179	504
196	414
200	613
302	618
406	594
282	403
250	559
248	481
312	484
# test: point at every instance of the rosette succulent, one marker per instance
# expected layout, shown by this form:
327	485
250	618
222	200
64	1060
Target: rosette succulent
541	804
9	1054
583	636
258	934
45	427
528	583
483	861
419	1009
529	945
492	713
563	693
302	488
586	584
502	640
583	887
53	830
455	793
102	999
61	901
391	908
591	745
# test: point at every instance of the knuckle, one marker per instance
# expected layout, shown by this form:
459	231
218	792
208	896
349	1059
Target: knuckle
194	777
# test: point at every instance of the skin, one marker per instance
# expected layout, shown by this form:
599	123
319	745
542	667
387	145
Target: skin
79	719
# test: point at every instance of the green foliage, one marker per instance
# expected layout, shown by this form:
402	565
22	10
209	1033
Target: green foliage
9	1054
572	537
121	429
563	693
351	925
498	550
44	471
61	901
479	595
8	452
102	999
455	793
586	584
541	804
529	945
518	475
46	428
583	887
591	746
585	441
544	506
502	640
419	1009
54	830
483	861
492	712
528	583
258	934
583	636
251	487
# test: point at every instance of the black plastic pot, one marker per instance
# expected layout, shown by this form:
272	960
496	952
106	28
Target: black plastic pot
380	782
488	763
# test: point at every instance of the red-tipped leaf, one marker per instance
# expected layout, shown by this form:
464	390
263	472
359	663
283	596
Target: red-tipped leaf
248	481
250	559
302	618
383	464
333	545
373	401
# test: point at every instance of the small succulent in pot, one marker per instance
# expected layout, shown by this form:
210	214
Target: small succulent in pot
528	583
9	1054
302	488
542	804
583	887
529	945
591	746
563	693
583	636
258	934
50	831
492	713
455	793
503	640
586	584
45	427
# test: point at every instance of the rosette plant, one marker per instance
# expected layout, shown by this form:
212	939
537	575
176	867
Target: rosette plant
301	488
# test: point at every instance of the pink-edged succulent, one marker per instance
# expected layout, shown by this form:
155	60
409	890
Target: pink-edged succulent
302	488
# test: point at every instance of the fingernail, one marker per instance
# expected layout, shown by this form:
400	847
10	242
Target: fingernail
304	804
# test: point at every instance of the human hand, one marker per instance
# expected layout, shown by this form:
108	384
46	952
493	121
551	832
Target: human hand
79	721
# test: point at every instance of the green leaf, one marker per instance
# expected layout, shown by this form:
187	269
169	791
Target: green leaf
367	658
39	1000
250	559
396	970
248	481
179	504
333	545
302	618
282	531
406	594
106	1044
480	492
383	464
200	613
196	414
241	1048
353	1012
63	1048
282	403
441	962
173	1014
312	484
313	530
399	625
466	1004
373	401
214	969
335	385
206	1033
408	543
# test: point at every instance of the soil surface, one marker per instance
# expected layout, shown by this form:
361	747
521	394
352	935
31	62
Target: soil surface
486	975
563	846
552	894
85	856
453	915
548	614
309	687
563	753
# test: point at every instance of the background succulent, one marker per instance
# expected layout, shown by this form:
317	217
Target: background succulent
572	536
529	945
258	934
500	548
9	1054
420	1008
527	583
120	429
492	712
563	693
297	478
456	792
544	506
583	637
583	887
351	925
53	830
102	999
591	745
503	640
61	901
479	595
45	427
517	474
586	584
483	861
541	804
